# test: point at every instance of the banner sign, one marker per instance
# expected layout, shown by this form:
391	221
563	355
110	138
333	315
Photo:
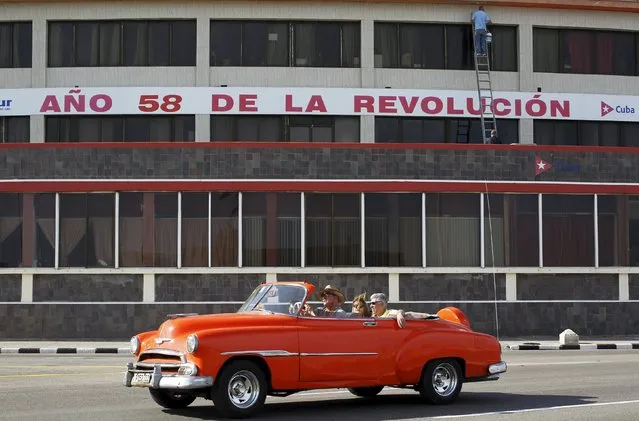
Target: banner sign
314	101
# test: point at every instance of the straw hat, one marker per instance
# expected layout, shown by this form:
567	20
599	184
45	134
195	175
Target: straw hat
332	291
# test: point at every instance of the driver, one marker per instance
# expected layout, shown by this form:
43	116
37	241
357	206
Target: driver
333	300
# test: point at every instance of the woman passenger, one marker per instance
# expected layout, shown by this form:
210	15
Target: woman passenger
360	309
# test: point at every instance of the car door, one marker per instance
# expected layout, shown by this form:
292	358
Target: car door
340	349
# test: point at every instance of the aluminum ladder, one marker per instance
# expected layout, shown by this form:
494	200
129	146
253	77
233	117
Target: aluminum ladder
484	92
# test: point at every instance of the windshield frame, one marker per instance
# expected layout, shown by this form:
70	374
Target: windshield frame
261	291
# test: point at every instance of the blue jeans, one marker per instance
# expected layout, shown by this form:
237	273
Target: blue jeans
480	41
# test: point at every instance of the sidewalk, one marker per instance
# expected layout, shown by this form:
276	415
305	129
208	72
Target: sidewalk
122	347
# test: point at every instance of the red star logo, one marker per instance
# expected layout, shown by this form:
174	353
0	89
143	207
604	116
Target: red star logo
541	166
605	109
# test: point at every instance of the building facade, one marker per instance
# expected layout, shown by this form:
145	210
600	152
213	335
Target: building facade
160	158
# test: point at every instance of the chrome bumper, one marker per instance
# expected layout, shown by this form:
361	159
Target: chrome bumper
496	369
157	380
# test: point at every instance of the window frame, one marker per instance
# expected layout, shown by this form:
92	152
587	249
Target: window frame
15	29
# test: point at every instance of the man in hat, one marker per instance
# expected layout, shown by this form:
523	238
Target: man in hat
333	300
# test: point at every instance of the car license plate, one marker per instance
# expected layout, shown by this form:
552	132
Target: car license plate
141	379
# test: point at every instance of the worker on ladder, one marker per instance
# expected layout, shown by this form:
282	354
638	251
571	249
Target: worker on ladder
480	20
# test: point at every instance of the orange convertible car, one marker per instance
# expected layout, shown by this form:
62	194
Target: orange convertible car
268	348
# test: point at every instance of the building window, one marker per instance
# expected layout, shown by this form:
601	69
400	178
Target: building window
15	44
333	229
438	46
511	230
11	224
87	230
285	128
121	129
14	129
585	133
393	226
122	43
440	130
276	43
271	229
585	51
453	228
568	230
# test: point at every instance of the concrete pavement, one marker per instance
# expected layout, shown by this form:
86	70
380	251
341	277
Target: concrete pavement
539	386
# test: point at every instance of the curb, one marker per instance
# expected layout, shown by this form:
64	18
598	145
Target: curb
65	351
579	347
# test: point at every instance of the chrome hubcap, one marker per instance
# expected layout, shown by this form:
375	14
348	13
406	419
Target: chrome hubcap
444	379
244	389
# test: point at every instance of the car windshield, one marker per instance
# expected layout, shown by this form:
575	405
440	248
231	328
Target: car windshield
283	299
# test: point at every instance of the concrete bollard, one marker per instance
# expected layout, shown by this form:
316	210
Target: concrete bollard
568	337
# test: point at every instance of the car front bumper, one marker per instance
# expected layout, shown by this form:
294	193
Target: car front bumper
156	380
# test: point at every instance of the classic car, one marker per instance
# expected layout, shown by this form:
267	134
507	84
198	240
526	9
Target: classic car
268	348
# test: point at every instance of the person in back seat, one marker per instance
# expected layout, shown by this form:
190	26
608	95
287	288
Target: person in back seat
360	308
379	307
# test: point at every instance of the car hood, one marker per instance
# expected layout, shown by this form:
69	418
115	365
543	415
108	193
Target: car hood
183	326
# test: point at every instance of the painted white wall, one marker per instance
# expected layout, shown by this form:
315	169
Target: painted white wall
367	76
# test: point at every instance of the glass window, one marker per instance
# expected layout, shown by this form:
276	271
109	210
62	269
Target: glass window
568	230
459	47
271	229
87	230
110	40
133	246
11	224
45	237
323	44
15	44
226	43
511	230
165	229
87	41
393	229
183	43
195	229
61	52
545	50
632	230
333	229
439	130
15	129
224	229
503	49
452	230
613	221
386	45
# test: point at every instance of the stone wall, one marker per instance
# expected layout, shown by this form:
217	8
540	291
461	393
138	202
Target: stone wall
111	306
209	161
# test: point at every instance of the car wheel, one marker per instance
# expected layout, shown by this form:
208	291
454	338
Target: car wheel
441	382
171	400
366	392
240	390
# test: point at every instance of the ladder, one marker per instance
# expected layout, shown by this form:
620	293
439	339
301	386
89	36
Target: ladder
484	91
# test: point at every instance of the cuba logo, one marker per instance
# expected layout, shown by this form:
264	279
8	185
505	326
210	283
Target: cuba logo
619	109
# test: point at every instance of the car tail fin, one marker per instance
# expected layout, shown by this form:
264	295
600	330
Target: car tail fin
455	315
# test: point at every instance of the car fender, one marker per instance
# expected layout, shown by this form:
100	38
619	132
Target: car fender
425	345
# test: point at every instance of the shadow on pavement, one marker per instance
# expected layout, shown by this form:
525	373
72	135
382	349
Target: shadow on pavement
385	407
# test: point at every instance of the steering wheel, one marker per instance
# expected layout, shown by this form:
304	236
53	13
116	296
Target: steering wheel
295	307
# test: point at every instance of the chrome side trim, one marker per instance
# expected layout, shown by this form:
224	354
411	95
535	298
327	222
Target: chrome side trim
263	353
335	354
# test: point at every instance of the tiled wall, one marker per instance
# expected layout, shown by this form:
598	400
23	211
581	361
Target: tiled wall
517	164
110	306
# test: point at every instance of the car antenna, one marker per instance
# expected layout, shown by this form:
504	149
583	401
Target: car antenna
492	251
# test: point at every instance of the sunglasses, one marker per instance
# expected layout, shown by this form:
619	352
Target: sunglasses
375	302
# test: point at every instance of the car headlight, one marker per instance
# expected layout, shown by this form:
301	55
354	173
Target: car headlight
134	345
191	343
